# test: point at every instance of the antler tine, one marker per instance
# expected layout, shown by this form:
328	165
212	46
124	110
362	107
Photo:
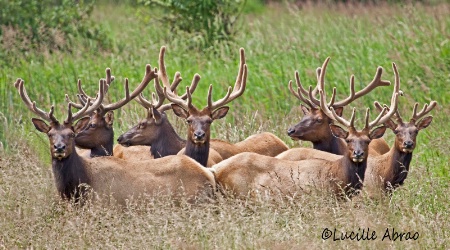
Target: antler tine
350	98
323	105
348	124
230	96
316	89
176	81
301	92
193	86
237	84
320	82
177	99
76	105
382	118
425	110
19	85
162	74
88	108
149	75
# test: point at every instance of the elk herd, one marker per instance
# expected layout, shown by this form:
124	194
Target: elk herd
151	159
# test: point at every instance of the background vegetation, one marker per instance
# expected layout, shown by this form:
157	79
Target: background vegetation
279	39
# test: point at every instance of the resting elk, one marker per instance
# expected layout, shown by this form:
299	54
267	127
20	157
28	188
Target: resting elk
198	142
388	171
98	136
247	172
107	175
155	130
314	125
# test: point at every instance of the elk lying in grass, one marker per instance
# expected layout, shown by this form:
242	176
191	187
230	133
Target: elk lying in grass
155	130
247	172
198	143
198	139
175	175
388	171
98	136
314	125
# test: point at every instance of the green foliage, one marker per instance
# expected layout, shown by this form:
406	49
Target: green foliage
205	22
47	25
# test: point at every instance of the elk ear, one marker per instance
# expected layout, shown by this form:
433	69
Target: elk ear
156	116
179	111
377	132
40	125
305	110
338	131
109	118
339	111
425	122
81	124
220	113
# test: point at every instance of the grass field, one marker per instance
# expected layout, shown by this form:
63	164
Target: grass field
277	41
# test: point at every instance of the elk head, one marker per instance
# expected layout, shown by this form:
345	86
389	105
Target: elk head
150	129
99	132
61	135
358	141
200	120
406	132
314	125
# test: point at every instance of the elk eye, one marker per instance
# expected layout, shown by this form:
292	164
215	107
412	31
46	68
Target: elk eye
141	125
396	131
348	140
319	120
92	125
189	121
72	135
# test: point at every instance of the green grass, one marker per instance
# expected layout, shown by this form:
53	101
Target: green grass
277	41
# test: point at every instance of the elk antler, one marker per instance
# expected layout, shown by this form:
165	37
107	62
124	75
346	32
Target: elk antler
87	108
83	97
238	90
382	117
313	102
158	99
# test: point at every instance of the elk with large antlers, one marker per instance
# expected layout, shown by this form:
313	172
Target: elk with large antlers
388	171
98	136
198	142
247	172
314	125
175	175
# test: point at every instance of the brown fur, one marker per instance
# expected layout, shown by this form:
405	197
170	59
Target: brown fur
174	175
248	172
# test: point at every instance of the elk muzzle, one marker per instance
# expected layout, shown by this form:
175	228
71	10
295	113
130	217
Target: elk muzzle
358	156
199	136
408	146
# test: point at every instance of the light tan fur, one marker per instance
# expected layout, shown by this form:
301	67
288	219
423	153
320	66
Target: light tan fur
135	153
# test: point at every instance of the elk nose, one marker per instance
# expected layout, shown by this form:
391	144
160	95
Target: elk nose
358	153
290	131
120	138
199	135
59	147
408	144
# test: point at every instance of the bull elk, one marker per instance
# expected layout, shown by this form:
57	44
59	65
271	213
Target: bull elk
248	172
157	132
107	175
98	136
314	125
199	121
388	171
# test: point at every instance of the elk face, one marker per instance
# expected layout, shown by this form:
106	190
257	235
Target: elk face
406	133
61	136
98	132
146	131
199	121
357	141
313	126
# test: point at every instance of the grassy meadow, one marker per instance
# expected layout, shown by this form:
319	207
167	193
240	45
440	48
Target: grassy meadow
278	40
